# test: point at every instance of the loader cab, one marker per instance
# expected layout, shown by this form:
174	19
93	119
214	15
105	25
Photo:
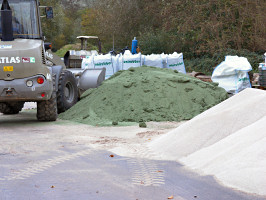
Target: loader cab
25	18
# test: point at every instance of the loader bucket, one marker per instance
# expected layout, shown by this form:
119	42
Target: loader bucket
89	78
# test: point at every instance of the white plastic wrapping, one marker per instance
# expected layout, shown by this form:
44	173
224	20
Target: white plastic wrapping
232	74
154	60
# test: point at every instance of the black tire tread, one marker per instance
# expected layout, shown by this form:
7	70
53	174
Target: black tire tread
11	108
62	105
47	110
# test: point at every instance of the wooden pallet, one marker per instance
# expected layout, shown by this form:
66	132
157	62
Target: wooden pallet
201	76
259	87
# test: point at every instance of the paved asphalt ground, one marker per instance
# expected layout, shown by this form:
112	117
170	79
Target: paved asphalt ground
45	161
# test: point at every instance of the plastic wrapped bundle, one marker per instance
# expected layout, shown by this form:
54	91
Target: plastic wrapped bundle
232	74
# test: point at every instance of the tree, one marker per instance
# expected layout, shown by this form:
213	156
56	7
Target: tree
89	22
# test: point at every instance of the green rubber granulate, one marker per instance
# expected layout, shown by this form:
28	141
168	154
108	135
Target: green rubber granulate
145	94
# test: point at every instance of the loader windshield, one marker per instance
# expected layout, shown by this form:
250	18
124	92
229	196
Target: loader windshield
25	19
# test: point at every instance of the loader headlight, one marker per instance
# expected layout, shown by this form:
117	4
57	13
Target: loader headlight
29	83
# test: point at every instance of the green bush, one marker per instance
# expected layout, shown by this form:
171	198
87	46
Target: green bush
61	52
166	42
207	64
204	65
157	43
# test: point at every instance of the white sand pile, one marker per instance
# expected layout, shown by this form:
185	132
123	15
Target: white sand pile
225	141
238	161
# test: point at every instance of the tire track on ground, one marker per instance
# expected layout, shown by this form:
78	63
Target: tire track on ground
145	171
42	166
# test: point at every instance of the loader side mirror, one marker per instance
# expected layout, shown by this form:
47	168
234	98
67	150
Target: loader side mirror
49	12
6	22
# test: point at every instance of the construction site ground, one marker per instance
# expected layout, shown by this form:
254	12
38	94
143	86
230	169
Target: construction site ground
65	160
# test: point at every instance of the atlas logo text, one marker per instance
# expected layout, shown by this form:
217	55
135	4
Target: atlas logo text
9	60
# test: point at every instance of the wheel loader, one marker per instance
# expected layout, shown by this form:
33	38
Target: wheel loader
29	72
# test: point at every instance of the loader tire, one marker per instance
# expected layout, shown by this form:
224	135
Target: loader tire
67	94
47	110
11	108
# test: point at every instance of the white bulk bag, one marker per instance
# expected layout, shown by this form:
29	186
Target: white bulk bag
101	61
129	60
164	58
87	63
153	60
232	74
118	65
105	61
175	61
262	66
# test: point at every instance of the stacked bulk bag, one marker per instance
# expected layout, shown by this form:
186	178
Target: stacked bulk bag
164	59
153	60
175	61
129	60
232	74
116	62
87	63
101	61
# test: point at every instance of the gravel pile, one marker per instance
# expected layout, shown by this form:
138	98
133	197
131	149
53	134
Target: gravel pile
145	94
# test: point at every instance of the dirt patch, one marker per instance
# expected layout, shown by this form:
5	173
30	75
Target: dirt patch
149	134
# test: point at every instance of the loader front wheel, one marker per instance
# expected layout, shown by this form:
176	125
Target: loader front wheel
11	108
67	94
47	110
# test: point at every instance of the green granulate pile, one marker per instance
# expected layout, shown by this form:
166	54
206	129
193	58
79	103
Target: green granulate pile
145	94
